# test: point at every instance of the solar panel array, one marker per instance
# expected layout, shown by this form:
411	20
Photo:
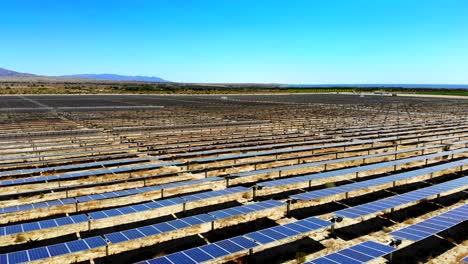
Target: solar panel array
402	199
375	182
44	224
74	175
53	250
41	156
136	233
108	195
433	225
352	170
244	243
129	211
74	166
186	222
361	253
318	163
123	210
273	152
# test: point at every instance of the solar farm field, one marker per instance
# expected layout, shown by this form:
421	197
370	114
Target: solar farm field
301	178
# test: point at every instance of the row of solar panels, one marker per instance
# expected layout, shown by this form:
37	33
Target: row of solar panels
74	166
139	233
68	160
46	146
327	162
61	154
433	225
50	133
159	204
54	141
402	199
318	194
357	254
98	215
244	243
107	195
273	183
228	141
73	175
62	147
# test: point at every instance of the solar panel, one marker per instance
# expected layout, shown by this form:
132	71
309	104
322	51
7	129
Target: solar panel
243	209
53	250
62	221
375	182
122	193
361	253
71	175
73	166
27	227
130	234
198	255
402	199
433	225
242	243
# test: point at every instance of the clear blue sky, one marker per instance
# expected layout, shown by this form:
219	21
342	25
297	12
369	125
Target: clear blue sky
288	41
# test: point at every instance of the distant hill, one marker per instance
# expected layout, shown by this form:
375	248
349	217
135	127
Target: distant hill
9	73
115	77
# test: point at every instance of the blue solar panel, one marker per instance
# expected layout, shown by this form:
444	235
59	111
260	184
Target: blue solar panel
131	209
27	227
229	246
136	233
329	174
117	237
433	225
402	199
278	151
198	255
245	242
180	257
71	175
58	249
243	209
77	245
465	259
73	166
38	253
214	250
53	250
318	163
360	253
375	182
18	257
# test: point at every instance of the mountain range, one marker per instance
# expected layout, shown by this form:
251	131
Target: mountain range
105	77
